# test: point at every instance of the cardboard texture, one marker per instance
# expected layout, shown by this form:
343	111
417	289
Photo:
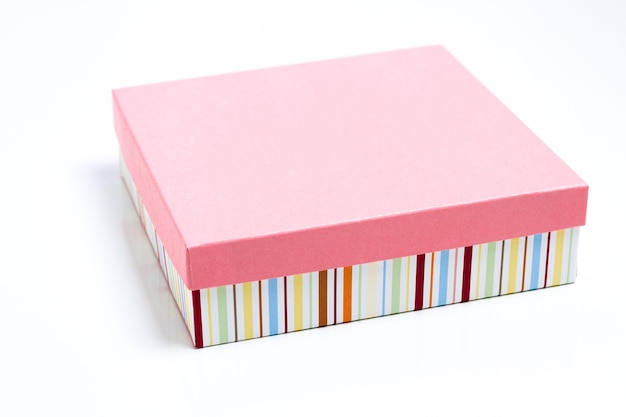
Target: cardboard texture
268	190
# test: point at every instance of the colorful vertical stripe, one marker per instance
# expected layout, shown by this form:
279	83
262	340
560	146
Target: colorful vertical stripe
427	280
315	299
188	302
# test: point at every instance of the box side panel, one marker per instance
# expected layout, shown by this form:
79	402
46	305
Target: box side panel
340	295
248	310
182	295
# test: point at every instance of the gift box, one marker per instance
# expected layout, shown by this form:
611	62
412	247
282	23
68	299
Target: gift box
315	194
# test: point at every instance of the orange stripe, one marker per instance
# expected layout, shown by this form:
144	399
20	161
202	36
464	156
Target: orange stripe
347	294
323	294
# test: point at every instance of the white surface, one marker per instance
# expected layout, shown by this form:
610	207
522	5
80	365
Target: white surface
87	323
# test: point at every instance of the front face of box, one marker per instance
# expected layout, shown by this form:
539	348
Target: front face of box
248	310
303	196
340	295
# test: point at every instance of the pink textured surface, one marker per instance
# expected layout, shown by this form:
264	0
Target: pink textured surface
306	167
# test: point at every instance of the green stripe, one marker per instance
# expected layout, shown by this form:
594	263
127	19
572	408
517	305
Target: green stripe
491	262
222	314
395	285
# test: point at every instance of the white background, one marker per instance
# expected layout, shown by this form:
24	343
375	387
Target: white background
86	323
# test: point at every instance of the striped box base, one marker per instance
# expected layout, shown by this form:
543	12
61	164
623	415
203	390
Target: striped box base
315	299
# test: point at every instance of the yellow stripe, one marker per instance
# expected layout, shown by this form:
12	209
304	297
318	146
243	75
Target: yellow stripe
569	254
513	265
408	281
189	311
208	303
183	303
297	302
247	310
480	249
193	316
371	289
185	306
558	257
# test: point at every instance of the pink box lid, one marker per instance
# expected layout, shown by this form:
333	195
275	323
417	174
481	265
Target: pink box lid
308	167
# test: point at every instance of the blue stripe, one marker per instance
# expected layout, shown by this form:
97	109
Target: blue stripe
443	277
534	281
273	307
384	283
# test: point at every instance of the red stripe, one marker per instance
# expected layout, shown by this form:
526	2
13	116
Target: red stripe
467	274
545	279
197	318
260	310
419	284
